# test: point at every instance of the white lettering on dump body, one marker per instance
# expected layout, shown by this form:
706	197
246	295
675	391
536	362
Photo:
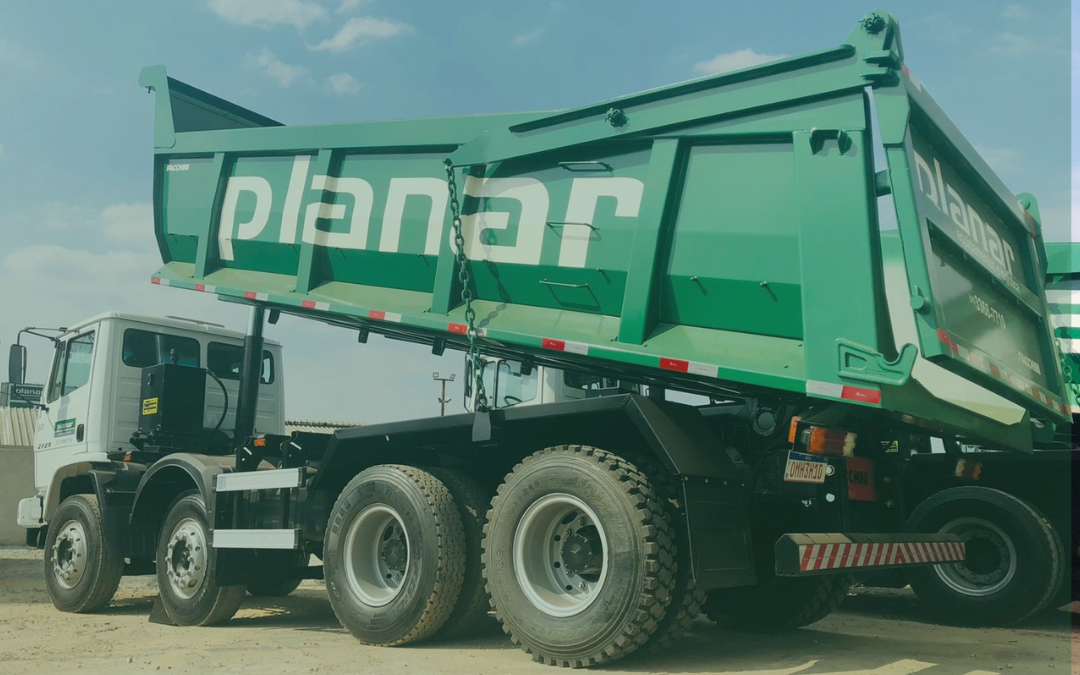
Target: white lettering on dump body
228	227
981	237
488	234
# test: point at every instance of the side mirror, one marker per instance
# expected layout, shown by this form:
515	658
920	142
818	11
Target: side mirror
17	364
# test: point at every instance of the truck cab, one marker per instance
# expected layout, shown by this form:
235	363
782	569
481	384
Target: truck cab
512	382
91	405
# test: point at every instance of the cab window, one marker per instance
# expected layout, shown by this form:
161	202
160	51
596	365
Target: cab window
143	348
71	367
226	360
514	387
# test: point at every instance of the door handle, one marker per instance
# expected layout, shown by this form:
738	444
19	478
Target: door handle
80	433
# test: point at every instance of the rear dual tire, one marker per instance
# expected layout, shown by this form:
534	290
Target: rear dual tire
579	556
395	555
1015	562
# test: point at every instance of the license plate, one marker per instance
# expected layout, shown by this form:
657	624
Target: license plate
803	468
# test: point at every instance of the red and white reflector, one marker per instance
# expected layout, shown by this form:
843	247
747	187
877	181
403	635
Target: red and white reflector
392	317
204	288
836	556
565	346
845	392
159	281
255	295
316	305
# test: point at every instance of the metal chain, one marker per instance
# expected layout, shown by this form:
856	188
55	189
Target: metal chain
466	292
1072	385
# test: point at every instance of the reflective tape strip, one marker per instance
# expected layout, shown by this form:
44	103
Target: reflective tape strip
816	388
203	288
703	369
677	365
252	295
313	304
564	346
159	281
459	328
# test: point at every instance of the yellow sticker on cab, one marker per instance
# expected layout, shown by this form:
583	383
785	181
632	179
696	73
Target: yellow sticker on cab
149	406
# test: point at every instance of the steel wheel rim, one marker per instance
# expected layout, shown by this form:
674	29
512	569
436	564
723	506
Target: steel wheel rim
69	558
556	561
979	535
377	555
185	558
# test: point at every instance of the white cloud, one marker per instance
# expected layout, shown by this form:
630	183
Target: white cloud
527	38
284	74
1016	13
1011	44
348	6
1001	159
342	84
360	30
269	13
743	58
128	224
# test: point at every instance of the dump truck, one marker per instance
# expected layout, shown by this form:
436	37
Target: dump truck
719	237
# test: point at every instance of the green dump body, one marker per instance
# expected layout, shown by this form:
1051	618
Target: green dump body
1063	294
718	236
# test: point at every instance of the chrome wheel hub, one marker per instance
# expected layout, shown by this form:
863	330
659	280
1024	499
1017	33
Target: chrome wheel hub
990	558
559	555
69	559
185	557
376	560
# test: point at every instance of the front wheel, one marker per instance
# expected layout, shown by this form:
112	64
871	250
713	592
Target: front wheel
1014	563
579	556
81	572
187	570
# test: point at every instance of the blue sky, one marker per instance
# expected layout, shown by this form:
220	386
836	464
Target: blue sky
75	130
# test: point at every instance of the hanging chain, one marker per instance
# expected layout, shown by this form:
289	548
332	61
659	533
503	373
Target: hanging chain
466	292
1071	385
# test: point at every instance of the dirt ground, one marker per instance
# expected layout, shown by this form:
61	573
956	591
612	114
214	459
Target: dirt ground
877	632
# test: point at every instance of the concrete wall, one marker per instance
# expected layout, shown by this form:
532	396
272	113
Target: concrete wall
16	482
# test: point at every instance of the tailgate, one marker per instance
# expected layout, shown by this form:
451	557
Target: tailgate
971	253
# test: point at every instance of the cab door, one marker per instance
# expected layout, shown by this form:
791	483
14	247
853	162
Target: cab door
61	431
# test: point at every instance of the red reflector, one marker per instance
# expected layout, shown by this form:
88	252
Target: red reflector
155	280
307	304
260	442
557	345
376	314
249	295
200	287
861	395
459	328
944	337
905	69
995	371
674	364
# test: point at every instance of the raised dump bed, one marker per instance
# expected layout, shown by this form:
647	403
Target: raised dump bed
719	236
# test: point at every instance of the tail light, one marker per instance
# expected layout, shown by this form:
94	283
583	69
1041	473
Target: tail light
822	441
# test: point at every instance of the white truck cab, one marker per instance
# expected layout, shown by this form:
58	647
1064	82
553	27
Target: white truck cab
509	383
91	403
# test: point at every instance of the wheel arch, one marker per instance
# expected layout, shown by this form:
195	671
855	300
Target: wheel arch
169	478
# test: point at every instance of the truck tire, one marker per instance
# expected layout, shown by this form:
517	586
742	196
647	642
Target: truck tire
686	599
186	568
1014	564
579	556
395	555
279	581
81	572
473	602
778	604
